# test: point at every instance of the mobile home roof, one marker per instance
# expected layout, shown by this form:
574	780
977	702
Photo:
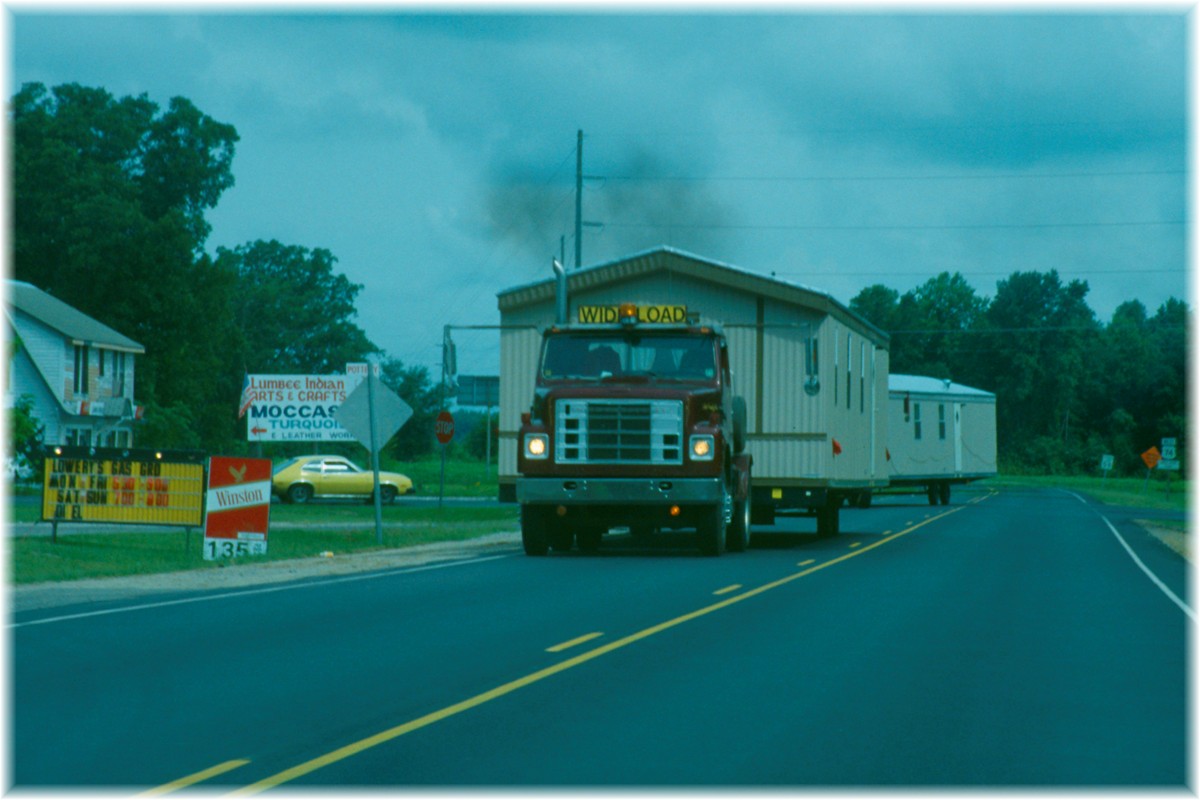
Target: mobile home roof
672	260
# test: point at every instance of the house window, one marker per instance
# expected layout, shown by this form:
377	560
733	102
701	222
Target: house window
81	369
941	421
118	374
916	420
79	436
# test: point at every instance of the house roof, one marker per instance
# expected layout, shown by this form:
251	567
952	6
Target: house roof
919	384
669	259
70	322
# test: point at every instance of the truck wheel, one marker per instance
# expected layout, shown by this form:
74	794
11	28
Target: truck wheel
710	532
827	518
737	536
533	531
944	493
934	495
864	499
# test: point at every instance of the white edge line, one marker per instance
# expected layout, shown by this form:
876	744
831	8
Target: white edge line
1162	586
249	592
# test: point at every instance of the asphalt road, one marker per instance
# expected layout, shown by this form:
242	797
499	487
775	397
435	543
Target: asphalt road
1008	640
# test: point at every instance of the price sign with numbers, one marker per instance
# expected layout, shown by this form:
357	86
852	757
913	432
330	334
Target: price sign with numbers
237	507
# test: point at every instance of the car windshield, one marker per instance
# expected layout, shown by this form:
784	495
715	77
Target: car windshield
602	355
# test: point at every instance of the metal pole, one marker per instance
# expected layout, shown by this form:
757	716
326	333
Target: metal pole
374	451
488	431
579	199
445	372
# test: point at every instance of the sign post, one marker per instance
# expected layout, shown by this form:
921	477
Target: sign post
1106	464
372	414
1150	458
443	428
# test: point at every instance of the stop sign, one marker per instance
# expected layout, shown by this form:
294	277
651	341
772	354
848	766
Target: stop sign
444	427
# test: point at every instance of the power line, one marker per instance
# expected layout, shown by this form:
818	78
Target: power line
883	178
971	227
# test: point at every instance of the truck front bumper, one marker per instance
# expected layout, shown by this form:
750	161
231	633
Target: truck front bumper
623	491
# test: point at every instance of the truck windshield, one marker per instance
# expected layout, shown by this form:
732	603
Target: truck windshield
600	355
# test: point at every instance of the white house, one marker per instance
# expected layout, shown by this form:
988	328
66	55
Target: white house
78	371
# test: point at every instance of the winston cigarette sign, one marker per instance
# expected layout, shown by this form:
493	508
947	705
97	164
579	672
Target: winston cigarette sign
237	507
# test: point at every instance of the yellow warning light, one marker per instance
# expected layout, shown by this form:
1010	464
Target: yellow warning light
627	313
674	511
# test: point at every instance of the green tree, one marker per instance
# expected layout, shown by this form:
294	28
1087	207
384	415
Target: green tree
108	203
413	386
295	314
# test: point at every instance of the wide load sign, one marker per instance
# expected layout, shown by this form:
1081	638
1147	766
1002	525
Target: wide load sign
297	408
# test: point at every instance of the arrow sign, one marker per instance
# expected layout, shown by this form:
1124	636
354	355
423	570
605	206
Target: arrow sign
391	413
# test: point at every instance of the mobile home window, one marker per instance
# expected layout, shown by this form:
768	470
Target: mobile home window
916	420
849	366
836	336
862	378
941	421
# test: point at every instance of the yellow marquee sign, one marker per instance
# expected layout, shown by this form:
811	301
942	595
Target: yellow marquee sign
148	487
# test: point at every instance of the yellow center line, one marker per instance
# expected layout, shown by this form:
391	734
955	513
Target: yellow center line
728	589
855	544
354	748
806	563
587	637
190	780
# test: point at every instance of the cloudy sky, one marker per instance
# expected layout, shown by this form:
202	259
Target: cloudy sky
432	149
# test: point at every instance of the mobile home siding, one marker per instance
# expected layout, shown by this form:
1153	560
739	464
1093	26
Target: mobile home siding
957	430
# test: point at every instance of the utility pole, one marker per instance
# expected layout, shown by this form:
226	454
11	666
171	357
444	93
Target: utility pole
579	199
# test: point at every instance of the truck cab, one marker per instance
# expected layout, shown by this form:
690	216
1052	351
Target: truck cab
633	423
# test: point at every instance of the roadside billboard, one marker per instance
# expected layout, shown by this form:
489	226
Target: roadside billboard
136	486
237	508
297	408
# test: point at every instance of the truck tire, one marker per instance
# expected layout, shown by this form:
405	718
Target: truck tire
710	533
534	534
737	536
934	494
827	518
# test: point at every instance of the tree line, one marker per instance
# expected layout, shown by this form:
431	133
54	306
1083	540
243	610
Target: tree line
1068	387
109	199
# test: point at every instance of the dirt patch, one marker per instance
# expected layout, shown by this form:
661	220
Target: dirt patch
1173	538
238	576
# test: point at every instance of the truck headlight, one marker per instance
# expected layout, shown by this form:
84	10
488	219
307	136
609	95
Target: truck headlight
701	447
537	445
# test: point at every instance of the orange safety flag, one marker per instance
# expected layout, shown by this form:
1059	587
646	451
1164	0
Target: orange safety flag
837	448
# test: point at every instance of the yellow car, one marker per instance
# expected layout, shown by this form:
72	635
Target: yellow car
308	477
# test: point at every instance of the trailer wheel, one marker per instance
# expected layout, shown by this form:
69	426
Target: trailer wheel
710	533
934	495
827	518
864	499
944	493
534	536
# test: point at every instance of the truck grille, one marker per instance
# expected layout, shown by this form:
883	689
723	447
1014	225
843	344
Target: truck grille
619	431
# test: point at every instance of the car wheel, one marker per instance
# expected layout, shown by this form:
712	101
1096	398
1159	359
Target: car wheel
387	494
300	493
